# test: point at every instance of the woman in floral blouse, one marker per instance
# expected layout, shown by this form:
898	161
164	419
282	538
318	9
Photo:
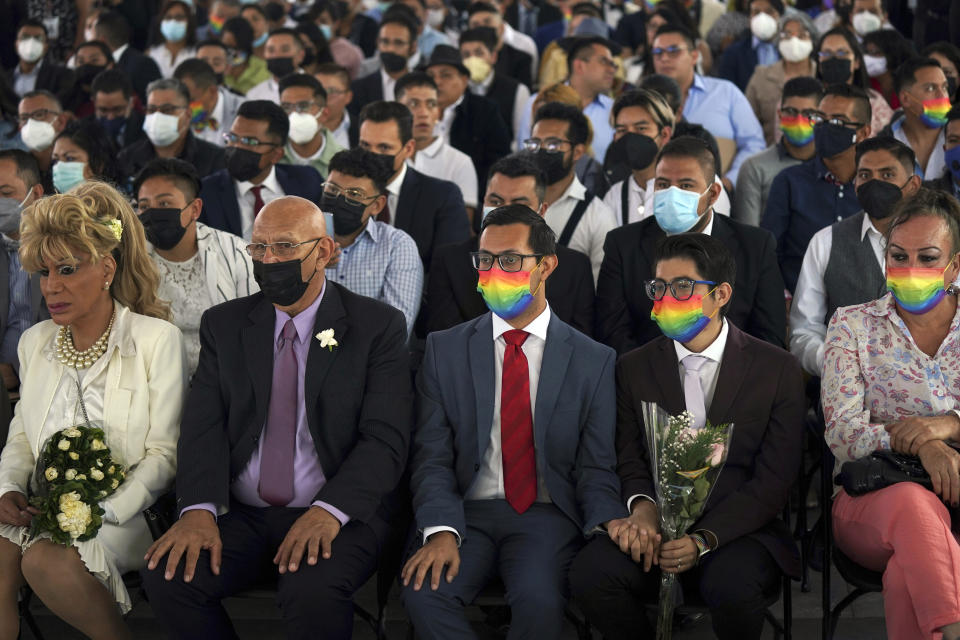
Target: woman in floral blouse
891	380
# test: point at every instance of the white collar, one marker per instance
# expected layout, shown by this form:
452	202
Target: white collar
433	149
118	53
867	227
576	190
708	230
713	352
483	87
537	327
270	182
397	183
636	188
449	110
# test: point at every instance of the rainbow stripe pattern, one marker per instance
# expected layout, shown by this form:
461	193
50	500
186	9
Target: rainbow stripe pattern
197	113
917	289
798	130
680	320
506	293
216	23
935	112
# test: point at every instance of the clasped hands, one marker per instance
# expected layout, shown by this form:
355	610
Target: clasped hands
638	535
312	533
925	437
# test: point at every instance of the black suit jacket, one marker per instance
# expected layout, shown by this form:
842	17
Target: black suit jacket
452	295
52	77
205	157
367	89
623	308
503	91
760	390
358	396
480	132
219	194
513	63
432	212
132	131
548	14
141	70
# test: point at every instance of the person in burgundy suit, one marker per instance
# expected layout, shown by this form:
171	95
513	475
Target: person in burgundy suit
293	442
513	457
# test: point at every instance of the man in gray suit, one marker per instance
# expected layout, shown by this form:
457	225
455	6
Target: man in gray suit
21	304
513	457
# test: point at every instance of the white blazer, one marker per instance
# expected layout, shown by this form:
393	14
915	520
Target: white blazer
146	383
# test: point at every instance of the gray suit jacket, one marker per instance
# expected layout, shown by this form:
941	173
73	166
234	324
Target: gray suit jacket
574	424
38	308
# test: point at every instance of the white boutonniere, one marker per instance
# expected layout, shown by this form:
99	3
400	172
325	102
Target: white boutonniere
327	340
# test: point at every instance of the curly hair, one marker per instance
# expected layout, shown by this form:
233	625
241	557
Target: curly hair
54	227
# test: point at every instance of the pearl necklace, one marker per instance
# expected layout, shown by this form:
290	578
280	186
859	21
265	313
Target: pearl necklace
68	355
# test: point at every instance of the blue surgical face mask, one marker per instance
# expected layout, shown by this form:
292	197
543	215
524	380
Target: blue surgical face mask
67	175
486	210
676	210
261	40
173	30
326	31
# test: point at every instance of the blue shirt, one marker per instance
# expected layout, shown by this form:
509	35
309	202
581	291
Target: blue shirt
429	39
722	109
18	309
383	263
804	199
597	111
767	52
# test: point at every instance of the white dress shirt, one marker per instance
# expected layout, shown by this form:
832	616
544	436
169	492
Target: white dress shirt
165	60
519	102
808	327
592	229
708	374
119	51
269	89
440	160
449	114
270	192
636	197
24	83
488	483
388	84
393	192
342	133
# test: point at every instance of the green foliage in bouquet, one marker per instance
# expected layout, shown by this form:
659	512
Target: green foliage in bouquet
686	457
74	473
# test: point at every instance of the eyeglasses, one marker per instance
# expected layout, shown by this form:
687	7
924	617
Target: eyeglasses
673	51
511	262
550	144
818	117
40	114
792	112
246	141
300	107
680	288
257	250
826	54
352	195
165	109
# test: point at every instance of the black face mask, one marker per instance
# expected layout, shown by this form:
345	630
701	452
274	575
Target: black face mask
113	126
392	62
162	227
632	152
832	139
552	164
309	55
281	282
280	67
85	73
242	164
878	198
347	216
835	71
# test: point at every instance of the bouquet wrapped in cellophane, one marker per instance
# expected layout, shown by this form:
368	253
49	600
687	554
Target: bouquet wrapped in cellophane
75	473
685	463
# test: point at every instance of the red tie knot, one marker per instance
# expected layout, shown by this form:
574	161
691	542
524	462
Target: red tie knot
515	337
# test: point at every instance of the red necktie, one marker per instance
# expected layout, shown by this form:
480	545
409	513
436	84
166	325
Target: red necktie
384	215
257	200
516	426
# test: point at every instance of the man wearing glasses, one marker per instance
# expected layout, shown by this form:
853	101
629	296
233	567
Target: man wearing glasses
739	549
810	196
41	119
232	197
335	80
304	100
167	126
513	456
293	443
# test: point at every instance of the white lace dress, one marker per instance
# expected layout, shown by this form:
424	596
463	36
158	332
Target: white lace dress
184	286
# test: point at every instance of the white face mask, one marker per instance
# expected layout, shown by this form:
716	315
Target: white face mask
435	18
794	49
876	65
303	127
764	26
37	135
30	49
866	22
163	130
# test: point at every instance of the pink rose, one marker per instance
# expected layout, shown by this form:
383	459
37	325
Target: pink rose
716	454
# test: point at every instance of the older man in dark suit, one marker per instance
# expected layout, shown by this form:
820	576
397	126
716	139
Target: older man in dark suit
736	552
293	442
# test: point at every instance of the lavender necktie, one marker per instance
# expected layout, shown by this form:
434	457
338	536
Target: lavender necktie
279	442
693	390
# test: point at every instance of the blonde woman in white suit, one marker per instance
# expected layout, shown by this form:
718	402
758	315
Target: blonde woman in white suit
122	363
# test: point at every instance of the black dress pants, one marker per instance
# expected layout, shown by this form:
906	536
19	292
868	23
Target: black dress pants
735	582
315	601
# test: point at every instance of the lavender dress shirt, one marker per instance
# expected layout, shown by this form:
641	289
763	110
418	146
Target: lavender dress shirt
308	477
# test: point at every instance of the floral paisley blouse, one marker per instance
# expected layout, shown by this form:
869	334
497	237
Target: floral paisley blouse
874	374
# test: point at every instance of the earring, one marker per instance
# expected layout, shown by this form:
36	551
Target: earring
106	285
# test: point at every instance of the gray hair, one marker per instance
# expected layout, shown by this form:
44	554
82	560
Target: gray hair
169	84
792	15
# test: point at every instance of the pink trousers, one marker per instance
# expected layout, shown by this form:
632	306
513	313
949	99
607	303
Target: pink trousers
904	531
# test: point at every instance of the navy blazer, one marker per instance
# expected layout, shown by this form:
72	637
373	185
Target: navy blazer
367	89
738	61
432	212
573	427
219	194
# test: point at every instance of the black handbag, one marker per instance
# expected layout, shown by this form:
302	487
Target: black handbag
881	469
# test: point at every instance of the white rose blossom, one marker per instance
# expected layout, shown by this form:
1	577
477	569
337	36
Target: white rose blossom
327	340
74	516
70	474
63	445
50	474
96	474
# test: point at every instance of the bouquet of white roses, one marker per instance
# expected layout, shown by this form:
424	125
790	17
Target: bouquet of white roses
685	463
74	473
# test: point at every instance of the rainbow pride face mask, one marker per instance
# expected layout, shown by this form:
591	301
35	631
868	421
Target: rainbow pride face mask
216	24
917	289
935	112
506	293
798	130
681	320
197	113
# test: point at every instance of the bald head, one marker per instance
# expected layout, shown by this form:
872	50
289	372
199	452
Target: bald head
296	217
